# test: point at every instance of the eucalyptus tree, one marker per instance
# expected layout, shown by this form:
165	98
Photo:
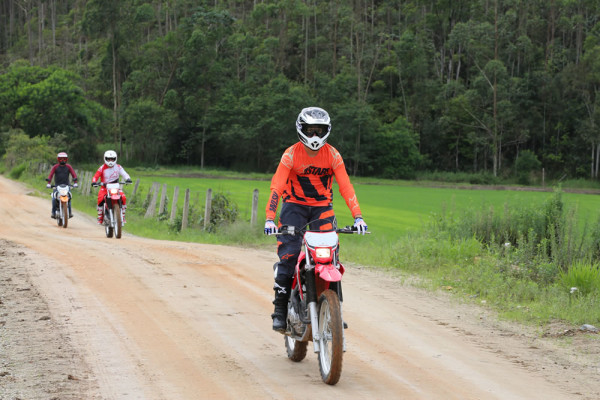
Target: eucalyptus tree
103	18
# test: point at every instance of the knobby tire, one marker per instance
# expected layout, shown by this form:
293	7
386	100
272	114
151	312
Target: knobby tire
331	332
118	216
64	213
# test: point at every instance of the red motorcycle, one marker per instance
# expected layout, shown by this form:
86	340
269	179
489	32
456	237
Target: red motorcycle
113	208
315	304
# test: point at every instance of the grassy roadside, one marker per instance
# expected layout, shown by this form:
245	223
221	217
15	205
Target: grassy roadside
442	250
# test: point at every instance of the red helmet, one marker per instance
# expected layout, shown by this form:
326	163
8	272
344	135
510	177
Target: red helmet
62	157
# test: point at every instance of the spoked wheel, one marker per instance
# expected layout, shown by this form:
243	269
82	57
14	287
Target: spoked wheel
58	214
107	223
64	213
296	350
331	342
118	218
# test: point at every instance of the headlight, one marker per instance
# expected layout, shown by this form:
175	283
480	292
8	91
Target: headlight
114	191
323	252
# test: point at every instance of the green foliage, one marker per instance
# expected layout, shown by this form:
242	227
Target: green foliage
214	79
223	211
396	154
525	165
24	150
47	102
17	171
145	119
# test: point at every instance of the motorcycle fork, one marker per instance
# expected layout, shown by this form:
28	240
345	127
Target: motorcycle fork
311	297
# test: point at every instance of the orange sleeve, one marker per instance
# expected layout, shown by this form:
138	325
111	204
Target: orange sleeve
346	188
278	184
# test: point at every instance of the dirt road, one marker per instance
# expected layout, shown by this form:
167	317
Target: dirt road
86	317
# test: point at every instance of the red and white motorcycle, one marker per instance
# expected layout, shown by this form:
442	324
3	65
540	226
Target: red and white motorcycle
113	208
315	304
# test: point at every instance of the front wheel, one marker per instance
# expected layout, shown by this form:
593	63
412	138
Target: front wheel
108	223
64	213
331	333
118	218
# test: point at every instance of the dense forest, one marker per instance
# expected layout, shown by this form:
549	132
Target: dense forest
411	85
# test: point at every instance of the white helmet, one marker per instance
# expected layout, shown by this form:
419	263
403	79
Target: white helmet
316	120
110	158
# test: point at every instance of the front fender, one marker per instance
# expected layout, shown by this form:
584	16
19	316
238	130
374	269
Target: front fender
328	272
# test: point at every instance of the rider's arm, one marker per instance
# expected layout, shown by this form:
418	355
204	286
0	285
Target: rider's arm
72	171
98	175
278	184
346	188
124	173
52	171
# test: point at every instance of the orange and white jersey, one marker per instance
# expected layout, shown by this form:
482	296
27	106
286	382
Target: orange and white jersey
308	180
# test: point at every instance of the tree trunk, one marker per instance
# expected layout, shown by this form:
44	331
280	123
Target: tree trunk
334	42
597	161
357	152
115	94
495	133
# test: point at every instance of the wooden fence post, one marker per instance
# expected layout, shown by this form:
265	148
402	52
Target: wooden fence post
163	199
152	206
174	204
254	207
135	187
186	205
207	209
87	183
149	195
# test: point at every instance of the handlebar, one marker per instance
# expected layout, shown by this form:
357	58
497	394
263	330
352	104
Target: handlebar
292	230
54	186
95	184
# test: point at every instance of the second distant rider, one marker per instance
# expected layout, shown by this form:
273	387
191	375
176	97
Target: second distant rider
109	172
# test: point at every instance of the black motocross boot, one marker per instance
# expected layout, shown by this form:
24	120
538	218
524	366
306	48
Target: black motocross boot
282	294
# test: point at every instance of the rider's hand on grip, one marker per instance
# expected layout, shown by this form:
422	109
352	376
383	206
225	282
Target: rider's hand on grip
48	185
270	227
95	184
360	225
128	181
75	184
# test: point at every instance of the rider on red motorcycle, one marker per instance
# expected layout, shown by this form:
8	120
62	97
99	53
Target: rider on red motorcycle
61	172
109	172
304	180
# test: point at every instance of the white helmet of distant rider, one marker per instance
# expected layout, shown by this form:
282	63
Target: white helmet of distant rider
313	126
110	158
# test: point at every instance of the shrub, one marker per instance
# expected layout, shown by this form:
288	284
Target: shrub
17	171
223	211
581	275
526	163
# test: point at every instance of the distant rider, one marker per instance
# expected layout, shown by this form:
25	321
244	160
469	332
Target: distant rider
304	180
109	172
61	172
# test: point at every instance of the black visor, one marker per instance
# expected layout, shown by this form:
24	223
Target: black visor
110	159
312	130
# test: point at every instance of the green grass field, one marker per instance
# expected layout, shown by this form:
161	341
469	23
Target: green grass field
390	210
